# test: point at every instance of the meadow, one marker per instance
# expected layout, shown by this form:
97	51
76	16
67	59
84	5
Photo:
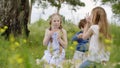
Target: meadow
22	52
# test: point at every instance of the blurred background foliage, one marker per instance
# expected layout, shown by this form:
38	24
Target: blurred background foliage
21	51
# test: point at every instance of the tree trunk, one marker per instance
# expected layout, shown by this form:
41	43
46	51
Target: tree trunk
58	10
15	15
59	5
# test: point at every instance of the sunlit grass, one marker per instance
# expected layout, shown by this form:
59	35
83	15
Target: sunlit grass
22	52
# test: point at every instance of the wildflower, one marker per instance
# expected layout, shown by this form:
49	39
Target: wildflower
15	58
19	60
71	48
2	30
14	45
5	27
75	43
17	44
107	41
24	41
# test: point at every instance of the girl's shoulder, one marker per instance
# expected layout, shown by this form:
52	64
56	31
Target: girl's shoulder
47	30
63	30
94	26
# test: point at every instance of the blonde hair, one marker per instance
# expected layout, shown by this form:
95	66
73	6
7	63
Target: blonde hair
100	18
51	17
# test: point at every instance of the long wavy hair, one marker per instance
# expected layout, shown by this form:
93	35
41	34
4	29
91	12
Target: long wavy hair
100	18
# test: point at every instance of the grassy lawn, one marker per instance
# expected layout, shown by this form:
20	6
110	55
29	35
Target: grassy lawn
22	52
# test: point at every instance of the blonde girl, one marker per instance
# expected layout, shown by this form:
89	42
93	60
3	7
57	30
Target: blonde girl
97	25
56	40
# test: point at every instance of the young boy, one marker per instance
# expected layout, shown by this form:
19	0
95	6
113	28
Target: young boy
81	47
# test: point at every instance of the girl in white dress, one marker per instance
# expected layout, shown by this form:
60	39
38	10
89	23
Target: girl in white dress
97	24
56	40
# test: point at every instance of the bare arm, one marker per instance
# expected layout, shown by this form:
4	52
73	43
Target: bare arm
46	37
87	32
63	41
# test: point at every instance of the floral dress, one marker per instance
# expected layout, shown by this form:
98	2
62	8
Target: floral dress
52	55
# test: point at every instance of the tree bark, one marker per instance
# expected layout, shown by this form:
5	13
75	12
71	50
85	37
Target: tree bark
59	6
15	15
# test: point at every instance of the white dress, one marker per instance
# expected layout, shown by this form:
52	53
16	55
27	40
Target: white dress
55	57
96	50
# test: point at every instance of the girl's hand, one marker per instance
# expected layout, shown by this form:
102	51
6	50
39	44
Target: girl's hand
51	33
87	25
88	18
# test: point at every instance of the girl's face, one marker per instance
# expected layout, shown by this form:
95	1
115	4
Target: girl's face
55	21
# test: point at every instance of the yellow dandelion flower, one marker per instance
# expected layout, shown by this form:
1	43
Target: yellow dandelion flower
5	27
71	48
17	44
2	30
107	41
19	60
75	43
24	41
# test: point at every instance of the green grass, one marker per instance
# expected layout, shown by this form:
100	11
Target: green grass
24	54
